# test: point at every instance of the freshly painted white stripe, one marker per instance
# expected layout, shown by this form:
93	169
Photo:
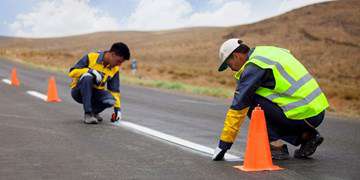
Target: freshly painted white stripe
197	102
182	142
37	94
7	81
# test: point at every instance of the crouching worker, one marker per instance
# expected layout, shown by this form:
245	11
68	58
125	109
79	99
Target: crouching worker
293	103
90	75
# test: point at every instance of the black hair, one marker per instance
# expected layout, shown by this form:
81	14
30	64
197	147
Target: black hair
121	49
243	48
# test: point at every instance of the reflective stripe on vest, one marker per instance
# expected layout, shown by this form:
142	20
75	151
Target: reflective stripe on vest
314	94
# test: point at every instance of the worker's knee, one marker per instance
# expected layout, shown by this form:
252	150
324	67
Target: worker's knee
76	95
109	102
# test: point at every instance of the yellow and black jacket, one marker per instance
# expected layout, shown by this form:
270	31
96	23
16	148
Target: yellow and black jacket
94	60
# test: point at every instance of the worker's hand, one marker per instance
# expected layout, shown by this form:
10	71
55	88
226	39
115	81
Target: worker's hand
97	75
219	154
220	151
116	116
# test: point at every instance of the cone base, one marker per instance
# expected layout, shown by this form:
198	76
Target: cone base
53	100
271	168
15	84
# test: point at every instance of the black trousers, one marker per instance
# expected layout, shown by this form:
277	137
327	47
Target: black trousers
280	127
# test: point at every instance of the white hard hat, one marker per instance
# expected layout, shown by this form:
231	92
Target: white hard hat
225	51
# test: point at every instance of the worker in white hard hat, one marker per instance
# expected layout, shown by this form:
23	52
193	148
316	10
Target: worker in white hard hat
292	100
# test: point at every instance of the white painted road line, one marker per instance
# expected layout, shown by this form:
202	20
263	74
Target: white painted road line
37	95
6	81
181	142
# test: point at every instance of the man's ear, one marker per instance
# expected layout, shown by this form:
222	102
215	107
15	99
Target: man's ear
237	55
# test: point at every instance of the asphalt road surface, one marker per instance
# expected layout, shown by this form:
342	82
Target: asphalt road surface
40	140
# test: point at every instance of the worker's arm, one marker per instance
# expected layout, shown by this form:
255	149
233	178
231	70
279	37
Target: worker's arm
249	81
81	67
113	86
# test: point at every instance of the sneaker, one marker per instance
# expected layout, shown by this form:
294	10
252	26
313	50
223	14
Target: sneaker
308	148
89	119
279	153
98	117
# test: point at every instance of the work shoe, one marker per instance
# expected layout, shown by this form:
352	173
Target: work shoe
308	148
90	119
279	153
98	117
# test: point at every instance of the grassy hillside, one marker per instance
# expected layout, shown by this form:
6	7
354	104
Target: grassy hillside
325	37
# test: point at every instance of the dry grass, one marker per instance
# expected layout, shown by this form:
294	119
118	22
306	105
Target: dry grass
325	38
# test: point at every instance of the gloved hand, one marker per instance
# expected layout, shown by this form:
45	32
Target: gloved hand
116	115
220	151
219	154
97	75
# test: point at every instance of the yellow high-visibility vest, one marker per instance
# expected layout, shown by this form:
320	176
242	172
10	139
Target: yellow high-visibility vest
296	91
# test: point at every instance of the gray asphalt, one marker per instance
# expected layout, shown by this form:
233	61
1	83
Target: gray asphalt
48	141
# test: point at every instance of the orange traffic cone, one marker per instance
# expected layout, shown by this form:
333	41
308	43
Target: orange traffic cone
14	80
52	95
257	153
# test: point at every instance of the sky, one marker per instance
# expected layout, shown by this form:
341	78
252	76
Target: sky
57	18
